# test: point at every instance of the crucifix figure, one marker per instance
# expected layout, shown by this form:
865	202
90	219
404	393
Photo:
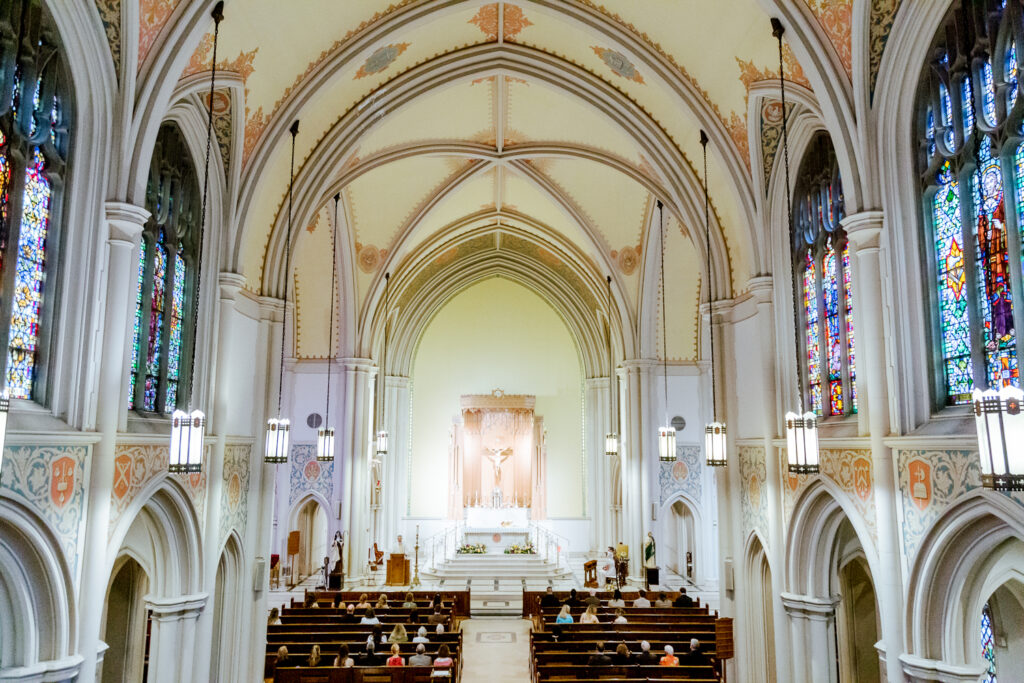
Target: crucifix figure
498	456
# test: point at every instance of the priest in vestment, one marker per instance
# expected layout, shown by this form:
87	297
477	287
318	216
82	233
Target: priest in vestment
399	547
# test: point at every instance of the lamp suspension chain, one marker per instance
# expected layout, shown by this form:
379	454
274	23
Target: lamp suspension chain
325	434
715	454
667	433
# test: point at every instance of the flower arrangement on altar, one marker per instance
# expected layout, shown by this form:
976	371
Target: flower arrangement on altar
472	549
516	549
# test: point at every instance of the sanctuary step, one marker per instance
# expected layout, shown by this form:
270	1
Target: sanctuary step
496	581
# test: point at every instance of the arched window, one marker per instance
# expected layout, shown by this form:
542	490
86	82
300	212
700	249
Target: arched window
34	131
164	319
988	645
824	284
969	128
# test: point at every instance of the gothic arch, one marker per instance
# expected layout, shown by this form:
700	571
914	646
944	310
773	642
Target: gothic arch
37	598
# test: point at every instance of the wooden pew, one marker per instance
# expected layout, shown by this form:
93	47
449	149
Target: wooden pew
379	674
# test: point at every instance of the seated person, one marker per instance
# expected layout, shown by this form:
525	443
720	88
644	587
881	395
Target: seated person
556	632
642	601
617	600
590	616
564	617
310	600
369	656
694	656
421	658
282	657
396	658
421	635
343	660
364	602
572	600
662	600
382	602
314	657
369	617
646	657
622	656
593	600
443	660
414	616
338	603
669	659
683	600
377	636
275	617
409	603
437	617
620	616
435	601
549	599
439	629
349	617
599	658
398	635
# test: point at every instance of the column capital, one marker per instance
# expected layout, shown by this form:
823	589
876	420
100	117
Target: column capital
125	221
271	309
761	287
809	607
367	365
638	364
600	382
397	381
919	670
230	284
172	609
864	229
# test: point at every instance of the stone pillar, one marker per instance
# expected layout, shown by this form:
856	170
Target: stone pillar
396	462
635	450
864	231
814	637
355	448
172	641
124	223
595	410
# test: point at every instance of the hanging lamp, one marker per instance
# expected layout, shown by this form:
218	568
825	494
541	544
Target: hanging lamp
666	433
187	427
279	428
715	454
802	424
611	439
325	435
382	432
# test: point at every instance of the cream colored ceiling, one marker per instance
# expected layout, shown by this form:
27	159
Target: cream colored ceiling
651	52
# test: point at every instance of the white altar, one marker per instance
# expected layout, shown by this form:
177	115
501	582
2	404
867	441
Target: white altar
488	517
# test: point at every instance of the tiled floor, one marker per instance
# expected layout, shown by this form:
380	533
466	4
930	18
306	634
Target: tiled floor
496	650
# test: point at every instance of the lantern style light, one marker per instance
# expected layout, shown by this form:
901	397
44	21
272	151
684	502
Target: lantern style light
667	444
5	406
1000	426
187	441
715	454
802	442
611	439
325	444
278	431
382	442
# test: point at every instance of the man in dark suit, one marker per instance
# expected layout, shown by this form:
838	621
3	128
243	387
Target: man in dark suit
369	657
599	658
694	657
683	600
646	657
593	600
573	600
549	599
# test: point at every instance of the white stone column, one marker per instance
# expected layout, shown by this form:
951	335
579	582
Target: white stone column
635	450
864	231
172	639
396	462
124	223
814	637
595	410
355	447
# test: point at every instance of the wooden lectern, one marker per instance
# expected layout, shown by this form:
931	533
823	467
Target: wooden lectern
397	570
590	574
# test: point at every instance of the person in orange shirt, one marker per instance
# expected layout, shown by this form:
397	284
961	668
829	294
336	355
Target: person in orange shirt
669	659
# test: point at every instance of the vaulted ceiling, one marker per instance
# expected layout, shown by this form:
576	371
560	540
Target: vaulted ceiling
555	120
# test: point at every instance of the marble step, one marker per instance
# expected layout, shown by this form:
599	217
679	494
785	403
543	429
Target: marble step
495	566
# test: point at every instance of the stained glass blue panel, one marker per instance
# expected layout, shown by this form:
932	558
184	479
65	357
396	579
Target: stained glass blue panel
988	93
851	360
988	646
967	105
813	338
952	286
1011	74
947	116
174	343
833	338
156	325
136	340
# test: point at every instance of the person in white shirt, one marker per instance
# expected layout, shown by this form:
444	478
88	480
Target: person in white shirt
642	601
398	548
369	617
421	635
620	616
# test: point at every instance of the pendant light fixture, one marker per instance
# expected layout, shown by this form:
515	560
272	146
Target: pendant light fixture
325	435
382	432
187	427
279	428
802	424
611	439
666	433
714	432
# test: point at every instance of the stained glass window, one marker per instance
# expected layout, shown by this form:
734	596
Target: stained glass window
988	645
163	321
31	168
974	255
825	285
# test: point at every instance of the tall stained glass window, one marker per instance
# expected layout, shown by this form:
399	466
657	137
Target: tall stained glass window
972	239
34	131
988	646
164	321
825	284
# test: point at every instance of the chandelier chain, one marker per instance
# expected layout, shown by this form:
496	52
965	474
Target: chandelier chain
707	243
294	131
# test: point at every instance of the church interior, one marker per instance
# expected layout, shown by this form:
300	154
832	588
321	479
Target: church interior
345	338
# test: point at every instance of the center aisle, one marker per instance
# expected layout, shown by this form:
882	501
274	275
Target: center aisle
496	650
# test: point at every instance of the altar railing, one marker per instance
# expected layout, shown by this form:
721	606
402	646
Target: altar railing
550	546
441	547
